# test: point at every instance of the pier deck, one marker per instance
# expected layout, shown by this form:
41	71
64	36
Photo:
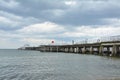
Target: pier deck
111	48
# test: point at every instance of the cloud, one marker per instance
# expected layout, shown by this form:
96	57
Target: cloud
100	31
51	30
112	21
6	23
4	20
38	41
89	12
77	34
9	4
83	32
9	21
70	3
46	27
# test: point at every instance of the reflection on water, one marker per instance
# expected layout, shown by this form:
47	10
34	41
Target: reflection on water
35	65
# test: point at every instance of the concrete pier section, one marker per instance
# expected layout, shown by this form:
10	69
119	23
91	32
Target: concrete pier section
110	48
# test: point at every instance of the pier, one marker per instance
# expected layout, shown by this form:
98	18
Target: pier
109	48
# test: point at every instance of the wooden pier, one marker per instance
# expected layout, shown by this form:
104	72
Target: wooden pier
111	48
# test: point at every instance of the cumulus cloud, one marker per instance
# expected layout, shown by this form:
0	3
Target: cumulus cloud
67	12
9	3
112	21
91	12
9	21
92	32
6	22
99	31
70	3
80	33
46	27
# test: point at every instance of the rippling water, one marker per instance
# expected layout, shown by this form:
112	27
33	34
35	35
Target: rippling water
35	65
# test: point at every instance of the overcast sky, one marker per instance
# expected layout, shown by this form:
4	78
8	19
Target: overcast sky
37	22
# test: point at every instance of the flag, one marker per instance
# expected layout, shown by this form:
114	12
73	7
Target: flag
52	42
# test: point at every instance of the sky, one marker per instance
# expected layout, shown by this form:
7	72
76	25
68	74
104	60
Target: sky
38	22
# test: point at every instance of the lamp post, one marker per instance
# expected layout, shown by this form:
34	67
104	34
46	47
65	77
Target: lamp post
72	42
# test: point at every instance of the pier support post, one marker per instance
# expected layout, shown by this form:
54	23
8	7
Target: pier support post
118	50
80	50
84	50
74	49
66	49
114	50
50	49
100	50
62	49
77	50
108	51
71	50
91	50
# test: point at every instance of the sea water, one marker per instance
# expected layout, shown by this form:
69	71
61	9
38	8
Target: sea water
36	65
